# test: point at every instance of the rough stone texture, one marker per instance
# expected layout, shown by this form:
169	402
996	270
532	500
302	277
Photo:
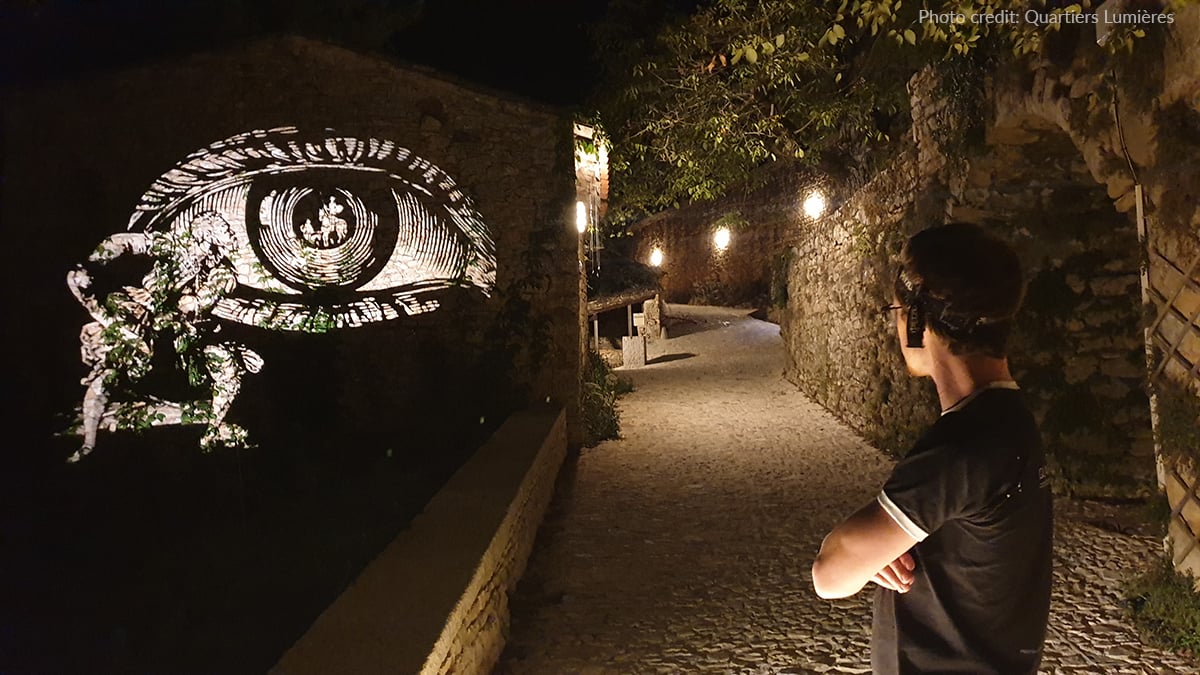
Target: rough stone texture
750	271
1158	95
436	599
78	155
839	276
1051	178
633	351
685	546
652	321
1077	348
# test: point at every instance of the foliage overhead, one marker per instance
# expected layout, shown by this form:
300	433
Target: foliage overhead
693	102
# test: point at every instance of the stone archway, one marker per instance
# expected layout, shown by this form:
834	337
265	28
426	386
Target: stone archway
1119	295
1078	350
1138	136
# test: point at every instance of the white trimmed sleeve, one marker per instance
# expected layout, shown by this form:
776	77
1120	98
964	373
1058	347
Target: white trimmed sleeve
902	520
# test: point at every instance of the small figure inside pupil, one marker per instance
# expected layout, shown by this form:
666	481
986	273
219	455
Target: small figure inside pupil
333	230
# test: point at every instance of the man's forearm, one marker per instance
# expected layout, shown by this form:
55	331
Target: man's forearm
858	549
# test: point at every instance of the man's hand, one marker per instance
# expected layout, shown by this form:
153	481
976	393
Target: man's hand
898	575
858	551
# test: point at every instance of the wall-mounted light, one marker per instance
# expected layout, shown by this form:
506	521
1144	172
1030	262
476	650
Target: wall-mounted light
656	257
581	217
814	205
721	238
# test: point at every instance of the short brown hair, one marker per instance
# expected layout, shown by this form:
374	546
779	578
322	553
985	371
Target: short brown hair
968	283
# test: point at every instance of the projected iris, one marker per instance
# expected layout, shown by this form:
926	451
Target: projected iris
314	239
350	230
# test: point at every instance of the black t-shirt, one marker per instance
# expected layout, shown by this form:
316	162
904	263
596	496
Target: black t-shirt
974	492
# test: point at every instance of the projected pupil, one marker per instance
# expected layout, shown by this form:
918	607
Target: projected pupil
323	220
329	232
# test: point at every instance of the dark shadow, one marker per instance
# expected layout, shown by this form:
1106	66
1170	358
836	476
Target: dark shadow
678	327
536	588
669	357
149	551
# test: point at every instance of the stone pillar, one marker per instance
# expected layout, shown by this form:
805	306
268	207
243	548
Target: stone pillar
633	351
652	319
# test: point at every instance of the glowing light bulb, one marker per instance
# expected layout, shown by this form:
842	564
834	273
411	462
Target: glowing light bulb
656	257
721	238
581	216
814	205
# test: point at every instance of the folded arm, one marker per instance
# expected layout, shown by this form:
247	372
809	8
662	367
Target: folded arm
855	552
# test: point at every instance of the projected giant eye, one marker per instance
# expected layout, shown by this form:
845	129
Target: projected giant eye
326	227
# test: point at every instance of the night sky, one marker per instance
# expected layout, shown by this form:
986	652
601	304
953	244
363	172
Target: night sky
536	48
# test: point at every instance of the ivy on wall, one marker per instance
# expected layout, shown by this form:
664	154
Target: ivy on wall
1179	424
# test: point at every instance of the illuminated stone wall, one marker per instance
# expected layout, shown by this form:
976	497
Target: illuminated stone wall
80	155
1047	174
749	272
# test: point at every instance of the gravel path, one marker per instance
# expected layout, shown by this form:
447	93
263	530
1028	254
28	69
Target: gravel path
685	546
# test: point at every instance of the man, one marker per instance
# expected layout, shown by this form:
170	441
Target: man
959	539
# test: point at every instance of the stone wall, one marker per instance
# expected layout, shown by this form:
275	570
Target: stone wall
79	154
1157	95
1044	171
750	271
839	348
436	600
1078	350
351	429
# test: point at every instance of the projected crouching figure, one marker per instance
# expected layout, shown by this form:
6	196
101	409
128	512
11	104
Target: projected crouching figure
280	230
191	271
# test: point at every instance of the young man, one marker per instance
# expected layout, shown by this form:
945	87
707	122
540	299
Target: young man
958	541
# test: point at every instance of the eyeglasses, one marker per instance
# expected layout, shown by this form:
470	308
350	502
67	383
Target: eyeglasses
886	310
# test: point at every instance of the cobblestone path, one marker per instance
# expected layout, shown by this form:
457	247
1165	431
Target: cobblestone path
685	547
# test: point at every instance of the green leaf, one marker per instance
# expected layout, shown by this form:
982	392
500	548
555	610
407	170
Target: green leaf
803	56
751	55
838	78
910	37
737	56
839	31
779	40
768	48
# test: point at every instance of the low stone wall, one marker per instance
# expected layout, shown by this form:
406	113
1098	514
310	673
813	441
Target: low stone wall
436	599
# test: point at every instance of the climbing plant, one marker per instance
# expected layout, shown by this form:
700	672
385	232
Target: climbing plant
696	104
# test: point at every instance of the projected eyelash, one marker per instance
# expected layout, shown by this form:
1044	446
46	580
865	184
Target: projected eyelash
342	229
